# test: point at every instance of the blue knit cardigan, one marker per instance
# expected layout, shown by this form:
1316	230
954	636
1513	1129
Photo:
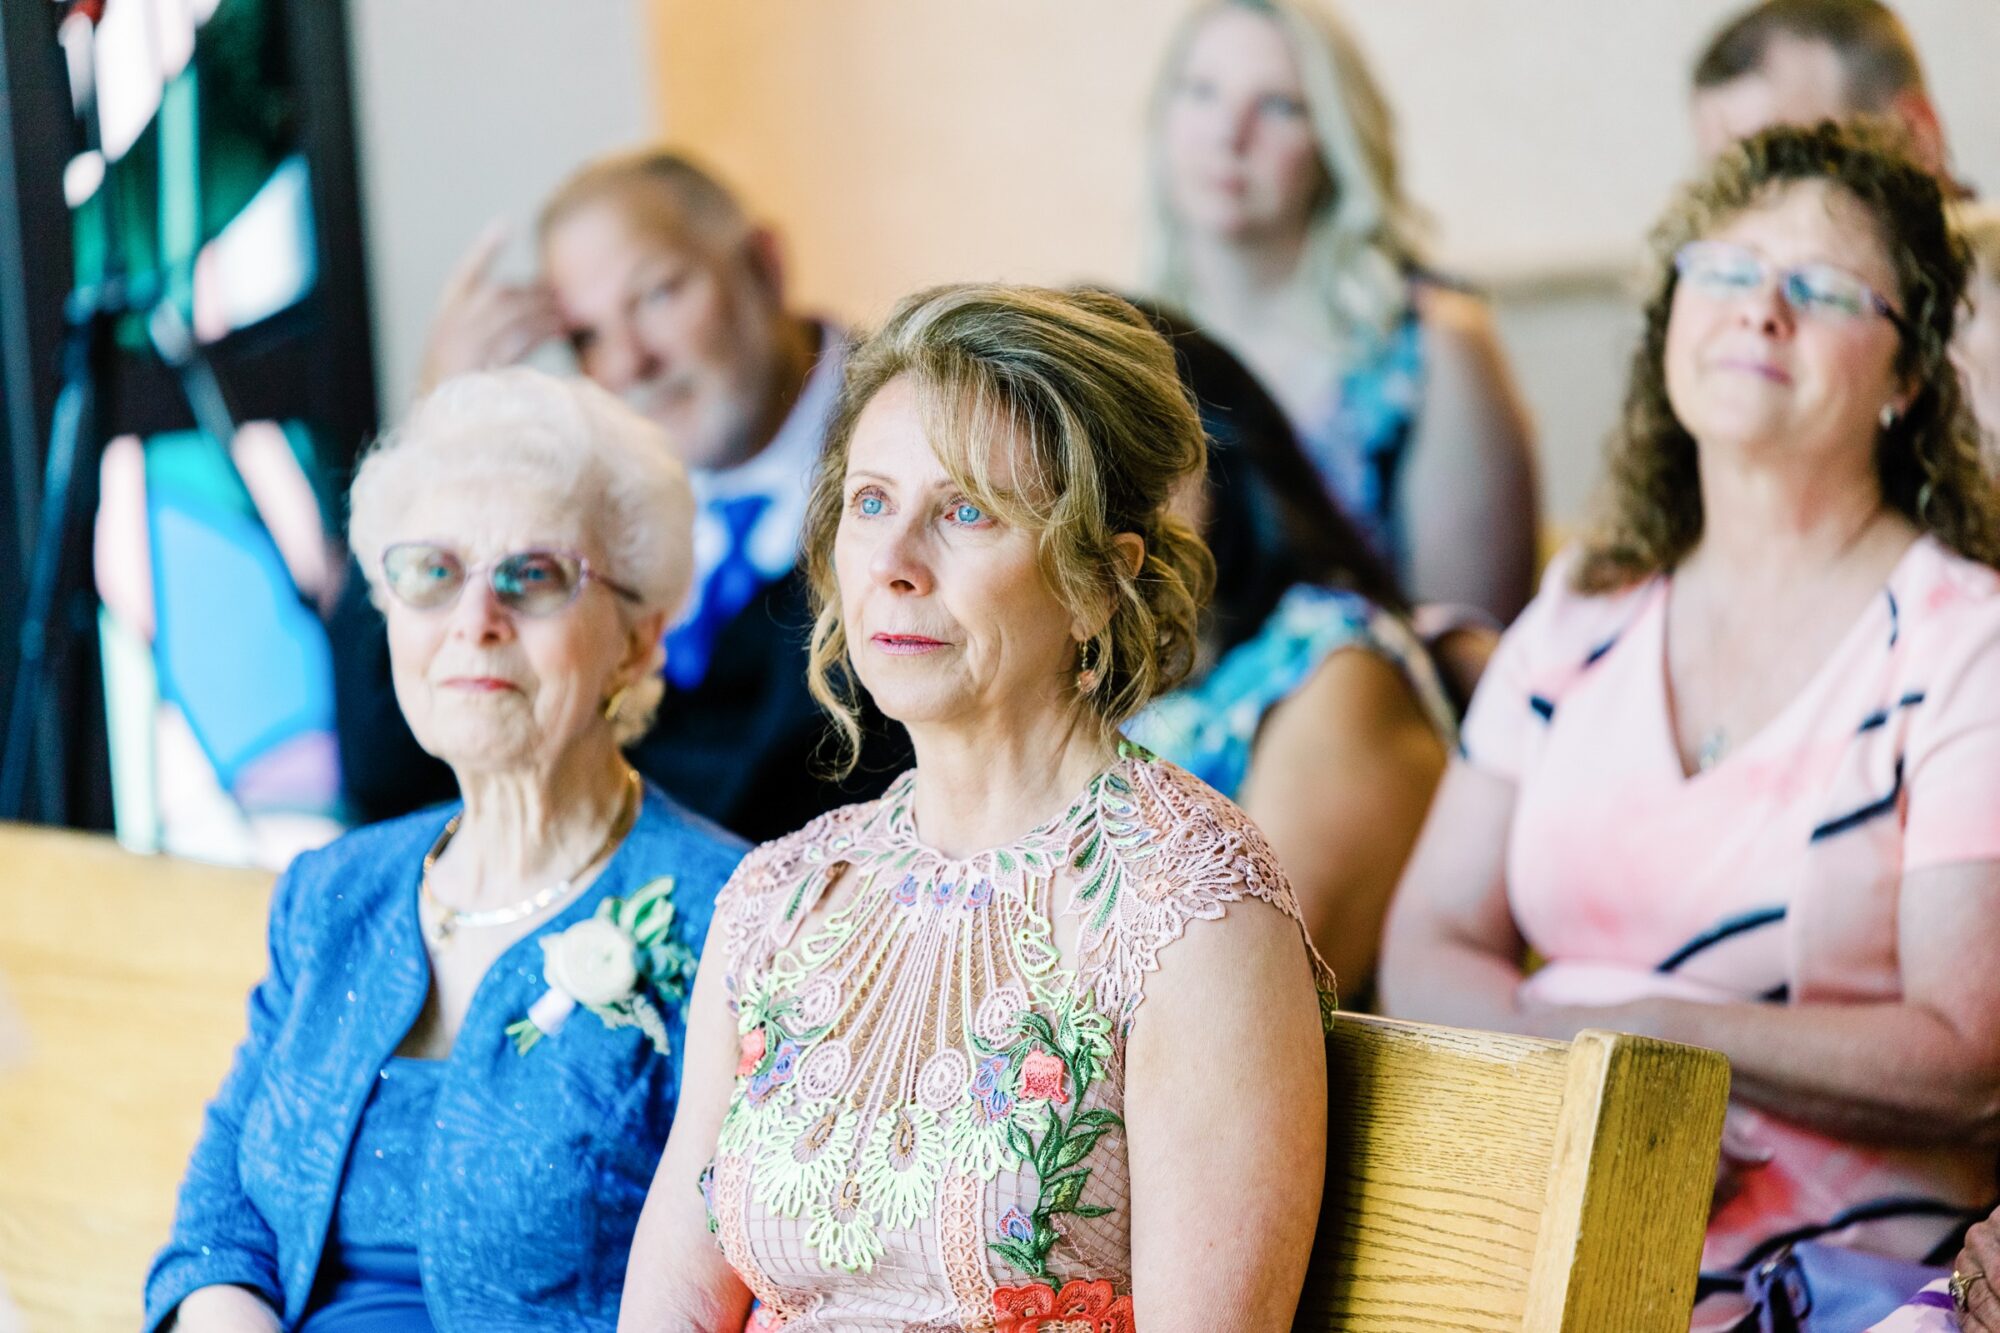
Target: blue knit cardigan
538	1163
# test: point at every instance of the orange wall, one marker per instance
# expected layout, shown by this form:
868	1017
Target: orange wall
907	141
898	143
903	142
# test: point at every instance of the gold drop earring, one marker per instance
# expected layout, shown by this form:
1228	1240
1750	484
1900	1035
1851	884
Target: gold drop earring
1086	666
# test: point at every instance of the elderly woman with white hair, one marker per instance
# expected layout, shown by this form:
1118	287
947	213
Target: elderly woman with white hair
463	1062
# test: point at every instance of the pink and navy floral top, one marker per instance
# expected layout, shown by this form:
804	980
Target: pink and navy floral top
927	1129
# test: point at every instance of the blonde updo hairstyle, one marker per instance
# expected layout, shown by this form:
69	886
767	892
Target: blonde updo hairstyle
1085	380
564	438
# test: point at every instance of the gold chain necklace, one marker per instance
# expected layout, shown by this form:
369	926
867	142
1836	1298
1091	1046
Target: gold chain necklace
450	918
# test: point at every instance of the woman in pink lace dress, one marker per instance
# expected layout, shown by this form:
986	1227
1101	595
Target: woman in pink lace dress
1033	1041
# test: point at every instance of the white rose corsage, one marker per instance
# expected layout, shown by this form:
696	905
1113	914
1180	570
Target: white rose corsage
623	964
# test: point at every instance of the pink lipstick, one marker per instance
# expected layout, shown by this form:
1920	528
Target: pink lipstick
905	645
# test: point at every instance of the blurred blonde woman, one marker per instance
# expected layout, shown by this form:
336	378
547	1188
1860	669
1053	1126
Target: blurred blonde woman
1279	224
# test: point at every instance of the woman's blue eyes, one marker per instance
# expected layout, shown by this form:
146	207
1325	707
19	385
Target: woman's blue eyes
965	514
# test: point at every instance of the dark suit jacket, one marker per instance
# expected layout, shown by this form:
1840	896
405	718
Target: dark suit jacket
747	748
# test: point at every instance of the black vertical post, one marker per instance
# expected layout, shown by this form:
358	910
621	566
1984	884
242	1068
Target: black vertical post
70	782
344	402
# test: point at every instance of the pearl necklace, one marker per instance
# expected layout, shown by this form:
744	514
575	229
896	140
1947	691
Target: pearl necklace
450	918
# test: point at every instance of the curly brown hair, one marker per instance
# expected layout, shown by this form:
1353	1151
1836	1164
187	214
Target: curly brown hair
1093	389
1927	462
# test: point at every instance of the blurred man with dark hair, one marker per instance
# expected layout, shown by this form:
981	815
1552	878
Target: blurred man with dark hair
1797	62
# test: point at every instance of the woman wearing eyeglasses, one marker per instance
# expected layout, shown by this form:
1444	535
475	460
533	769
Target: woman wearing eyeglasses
1734	771
464	1060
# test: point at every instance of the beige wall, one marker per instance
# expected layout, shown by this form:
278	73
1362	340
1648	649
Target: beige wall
470	110
903	142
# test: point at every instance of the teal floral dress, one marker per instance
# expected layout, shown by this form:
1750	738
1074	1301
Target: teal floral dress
1210	726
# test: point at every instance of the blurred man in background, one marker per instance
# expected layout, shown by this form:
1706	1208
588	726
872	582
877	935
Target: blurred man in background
671	296
1796	62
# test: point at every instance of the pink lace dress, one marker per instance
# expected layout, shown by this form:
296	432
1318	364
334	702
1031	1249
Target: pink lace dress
927	1127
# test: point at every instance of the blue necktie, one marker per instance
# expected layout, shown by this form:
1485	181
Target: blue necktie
728	589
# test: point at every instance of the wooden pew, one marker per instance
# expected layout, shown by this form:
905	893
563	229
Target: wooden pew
1475	1181
129	975
1505	1184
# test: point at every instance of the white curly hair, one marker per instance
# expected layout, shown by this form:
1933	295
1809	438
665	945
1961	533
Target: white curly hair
566	438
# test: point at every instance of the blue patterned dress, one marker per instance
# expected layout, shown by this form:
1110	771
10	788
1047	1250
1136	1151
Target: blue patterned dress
1362	439
370	1281
1210	726
513	1204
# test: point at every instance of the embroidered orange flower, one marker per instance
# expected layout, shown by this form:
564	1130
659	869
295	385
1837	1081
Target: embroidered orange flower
1042	1078
750	1051
1080	1307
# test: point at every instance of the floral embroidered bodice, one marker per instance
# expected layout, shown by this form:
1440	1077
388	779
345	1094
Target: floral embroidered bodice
927	1123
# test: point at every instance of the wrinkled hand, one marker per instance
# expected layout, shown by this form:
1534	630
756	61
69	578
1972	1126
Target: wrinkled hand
483	323
1980	1261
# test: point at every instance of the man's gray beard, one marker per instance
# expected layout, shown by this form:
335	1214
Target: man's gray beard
724	437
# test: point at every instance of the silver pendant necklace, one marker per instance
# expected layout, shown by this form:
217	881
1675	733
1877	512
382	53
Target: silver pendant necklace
1715	741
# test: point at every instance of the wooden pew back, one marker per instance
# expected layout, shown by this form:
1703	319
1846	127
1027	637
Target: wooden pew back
1475	1181
1509	1185
128	975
